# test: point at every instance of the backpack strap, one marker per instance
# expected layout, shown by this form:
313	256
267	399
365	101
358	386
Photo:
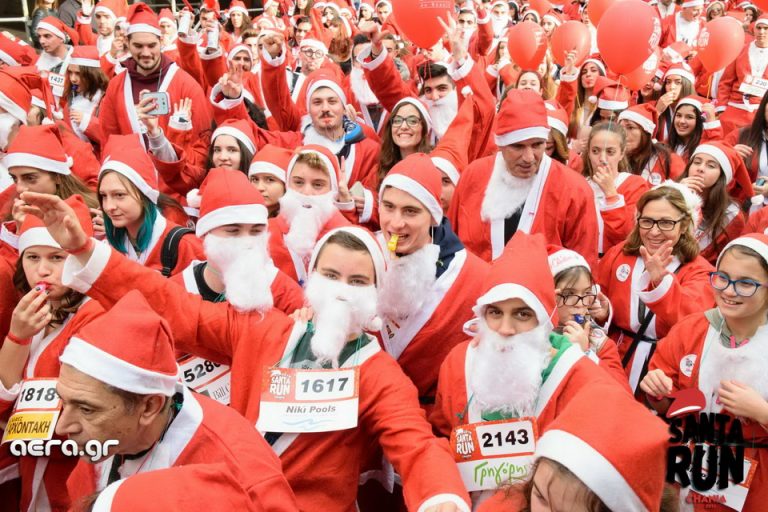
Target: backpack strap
169	254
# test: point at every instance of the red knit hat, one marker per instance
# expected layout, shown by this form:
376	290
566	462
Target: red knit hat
240	130
85	56
58	28
644	114
557	117
521	272
328	158
417	176
106	349
40	147
271	160
522	116
142	18
227	197
623	461
731	165
16	53
114	8
238	6
125	155
758	242
34	232
450	154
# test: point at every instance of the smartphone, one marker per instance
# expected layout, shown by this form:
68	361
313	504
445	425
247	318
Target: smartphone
185	22
213	38
760	182
163	102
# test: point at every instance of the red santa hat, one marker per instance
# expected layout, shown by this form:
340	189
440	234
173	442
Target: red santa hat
34	232
16	84
557	117
106	349
272	160
521	272
623	461
370	242
177	488
677	51
329	160
609	95
226	197
731	165
142	18
522	116
385	2
693	201
417	175
85	56
271	3
680	69
237	49
758	242
211	6
40	147
315	44
597	61
166	15
16	53
125	155
238	6
367	4
450	155
692	3
554	17
238	129
420	106
762	20
644	114
321	80
693	100
114	8
58	28
561	259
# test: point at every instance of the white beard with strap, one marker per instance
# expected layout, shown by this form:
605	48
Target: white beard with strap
408	280
246	269
443	111
341	310
499	24
360	87
306	216
506	371
505	193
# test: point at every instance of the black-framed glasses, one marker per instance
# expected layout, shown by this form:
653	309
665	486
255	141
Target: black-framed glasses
411	121
742	287
313	54
573	299
663	224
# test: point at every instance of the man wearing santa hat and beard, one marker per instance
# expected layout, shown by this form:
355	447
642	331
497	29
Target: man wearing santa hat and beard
347	266
373	113
520	188
516	367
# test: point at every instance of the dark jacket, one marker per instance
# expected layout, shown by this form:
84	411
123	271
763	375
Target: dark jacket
68	11
37	17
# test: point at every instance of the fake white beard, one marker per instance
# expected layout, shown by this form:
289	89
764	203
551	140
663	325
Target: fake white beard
7	123
443	112
341	310
745	364
313	136
408	282
306	216
499	24
467	36
246	269
506	371
505	193
359	85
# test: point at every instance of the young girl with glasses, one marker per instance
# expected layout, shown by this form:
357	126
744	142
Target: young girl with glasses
723	352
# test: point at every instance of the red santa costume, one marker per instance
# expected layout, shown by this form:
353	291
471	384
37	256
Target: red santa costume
51	63
42	477
385	392
199	431
114	9
89	127
615	220
676	28
555	202
16	53
166	18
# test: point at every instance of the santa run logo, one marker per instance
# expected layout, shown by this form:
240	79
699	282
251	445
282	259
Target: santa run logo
465	446
279	384
703	39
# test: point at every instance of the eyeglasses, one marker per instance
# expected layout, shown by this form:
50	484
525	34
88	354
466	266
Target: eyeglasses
743	287
572	300
663	224
410	121
313	54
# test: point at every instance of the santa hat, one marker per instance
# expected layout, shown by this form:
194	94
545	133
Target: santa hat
693	100
211	6
367	4
609	95
417	175
554	17
315	44
114	8
40	147
560	260
418	105
450	155
34	232
270	3
522	116
125	155
595	59
237	49
677	52
238	6
758	242
167	16
329	160
644	114
385	2
521	272
526	11
85	56
321	80
272	160
731	164
16	53
177	488
693	201
557	117
238	129
142	18
623	461
106	349
692	3
370	242
762	20
15	90
509	74
494	3
680	69
226	197
58	28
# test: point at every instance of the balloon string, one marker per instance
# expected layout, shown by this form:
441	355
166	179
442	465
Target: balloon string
709	86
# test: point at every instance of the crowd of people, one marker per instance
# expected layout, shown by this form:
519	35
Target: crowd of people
290	261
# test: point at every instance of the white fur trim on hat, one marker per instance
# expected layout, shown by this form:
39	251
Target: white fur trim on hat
597	63
52	29
374	249
505	291
103	9
330	84
239	8
88	63
237	134
564	259
234	214
692	200
761	21
418	105
328	164
556	124
417	190
267	168
237	49
612	105
133	177
680	72
37	162
692	3
745	241
313	43
36	236
8	59
447	167
115	372
136	28
533	132
717	154
646	124
12	108
689	101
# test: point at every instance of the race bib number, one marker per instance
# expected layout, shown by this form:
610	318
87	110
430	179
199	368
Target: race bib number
206	377
36	411
754	86
56	81
494	453
302	401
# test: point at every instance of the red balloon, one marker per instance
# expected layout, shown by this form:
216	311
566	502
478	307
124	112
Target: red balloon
596	9
636	79
720	42
418	19
568	37
527	44
628	34
543	6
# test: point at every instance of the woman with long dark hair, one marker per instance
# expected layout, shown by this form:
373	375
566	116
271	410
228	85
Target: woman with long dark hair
85	84
750	142
408	130
694	123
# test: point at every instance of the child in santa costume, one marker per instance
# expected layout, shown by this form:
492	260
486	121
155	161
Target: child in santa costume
42	323
693	123
267	173
722	353
656	278
347	265
717	173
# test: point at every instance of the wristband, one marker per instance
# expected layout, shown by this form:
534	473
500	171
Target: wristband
18	341
87	246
